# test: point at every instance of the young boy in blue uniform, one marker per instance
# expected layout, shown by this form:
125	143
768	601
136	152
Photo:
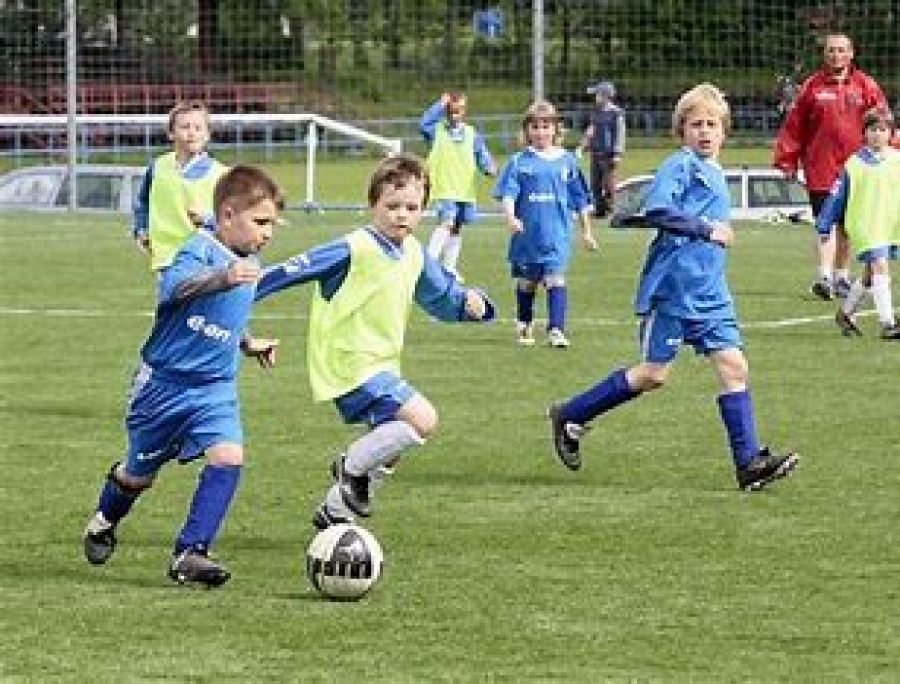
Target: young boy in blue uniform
457	152
540	187
683	298
366	284
184	398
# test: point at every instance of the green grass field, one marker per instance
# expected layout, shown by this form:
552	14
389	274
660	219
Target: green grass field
647	565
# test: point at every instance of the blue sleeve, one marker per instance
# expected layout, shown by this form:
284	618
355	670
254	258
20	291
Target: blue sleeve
430	120
577	187
507	184
441	295
328	264
662	202
185	265
483	158
835	206
141	208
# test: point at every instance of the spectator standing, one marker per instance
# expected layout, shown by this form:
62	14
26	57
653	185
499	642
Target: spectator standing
604	139
822	129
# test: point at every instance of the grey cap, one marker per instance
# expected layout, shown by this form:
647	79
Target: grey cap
602	88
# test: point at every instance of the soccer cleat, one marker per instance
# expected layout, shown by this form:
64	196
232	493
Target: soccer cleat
323	519
891	332
354	490
842	288
566	436
847	324
99	540
193	567
822	289
525	334
557	339
766	467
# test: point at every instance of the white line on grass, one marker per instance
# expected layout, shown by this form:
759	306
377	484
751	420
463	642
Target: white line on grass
599	322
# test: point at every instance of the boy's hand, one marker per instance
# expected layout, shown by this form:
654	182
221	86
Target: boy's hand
263	349
515	225
475	304
196	216
243	271
143	243
722	234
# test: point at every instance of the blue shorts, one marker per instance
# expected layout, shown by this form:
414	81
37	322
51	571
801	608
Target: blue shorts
870	255
376	401
661	336
536	273
167	421
460	213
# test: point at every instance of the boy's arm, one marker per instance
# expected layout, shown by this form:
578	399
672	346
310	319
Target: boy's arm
621	134
672	220
835	205
580	201
585	141
483	158
140	227
326	263
431	117
441	295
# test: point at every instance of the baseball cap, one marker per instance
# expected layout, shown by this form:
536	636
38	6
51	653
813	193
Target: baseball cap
602	88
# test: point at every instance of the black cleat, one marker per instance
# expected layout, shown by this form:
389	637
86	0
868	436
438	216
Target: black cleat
890	332
323	519
354	490
99	546
565	436
766	467
192	567
847	324
822	289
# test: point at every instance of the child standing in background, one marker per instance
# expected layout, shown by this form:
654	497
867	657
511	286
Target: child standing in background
866	202
457	153
683	297
540	187
604	138
176	194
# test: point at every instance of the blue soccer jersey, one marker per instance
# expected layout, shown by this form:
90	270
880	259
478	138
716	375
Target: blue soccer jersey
546	189
684	274
197	340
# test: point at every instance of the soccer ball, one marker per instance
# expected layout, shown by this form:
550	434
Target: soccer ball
344	562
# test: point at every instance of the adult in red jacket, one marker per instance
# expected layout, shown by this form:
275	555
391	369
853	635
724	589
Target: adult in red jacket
822	129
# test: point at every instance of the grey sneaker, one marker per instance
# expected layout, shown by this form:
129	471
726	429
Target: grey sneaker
192	567
842	288
354	490
566	436
765	468
99	540
847	324
322	519
822	289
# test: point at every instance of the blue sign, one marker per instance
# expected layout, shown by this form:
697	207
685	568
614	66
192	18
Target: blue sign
488	23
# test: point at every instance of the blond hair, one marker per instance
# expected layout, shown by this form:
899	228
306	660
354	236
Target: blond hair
703	96
184	107
542	110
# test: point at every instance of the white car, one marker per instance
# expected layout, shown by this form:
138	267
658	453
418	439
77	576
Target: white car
757	194
99	187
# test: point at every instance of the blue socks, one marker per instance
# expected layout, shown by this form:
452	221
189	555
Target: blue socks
212	498
116	499
557	300
736	409
524	305
612	392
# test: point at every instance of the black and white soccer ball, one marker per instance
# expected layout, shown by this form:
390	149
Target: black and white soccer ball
344	561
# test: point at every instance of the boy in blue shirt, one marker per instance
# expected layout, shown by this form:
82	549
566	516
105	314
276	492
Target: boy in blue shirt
366	284
683	298
540	187
457	152
184	398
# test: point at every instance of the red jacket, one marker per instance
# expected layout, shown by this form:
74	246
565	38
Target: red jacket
825	126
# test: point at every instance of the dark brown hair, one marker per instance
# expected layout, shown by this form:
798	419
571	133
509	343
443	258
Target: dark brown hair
243	186
397	171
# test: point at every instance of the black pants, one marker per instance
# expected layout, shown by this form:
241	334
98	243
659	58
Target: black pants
603	184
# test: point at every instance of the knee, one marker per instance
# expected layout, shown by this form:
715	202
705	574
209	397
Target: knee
648	377
225	455
134	484
425	424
